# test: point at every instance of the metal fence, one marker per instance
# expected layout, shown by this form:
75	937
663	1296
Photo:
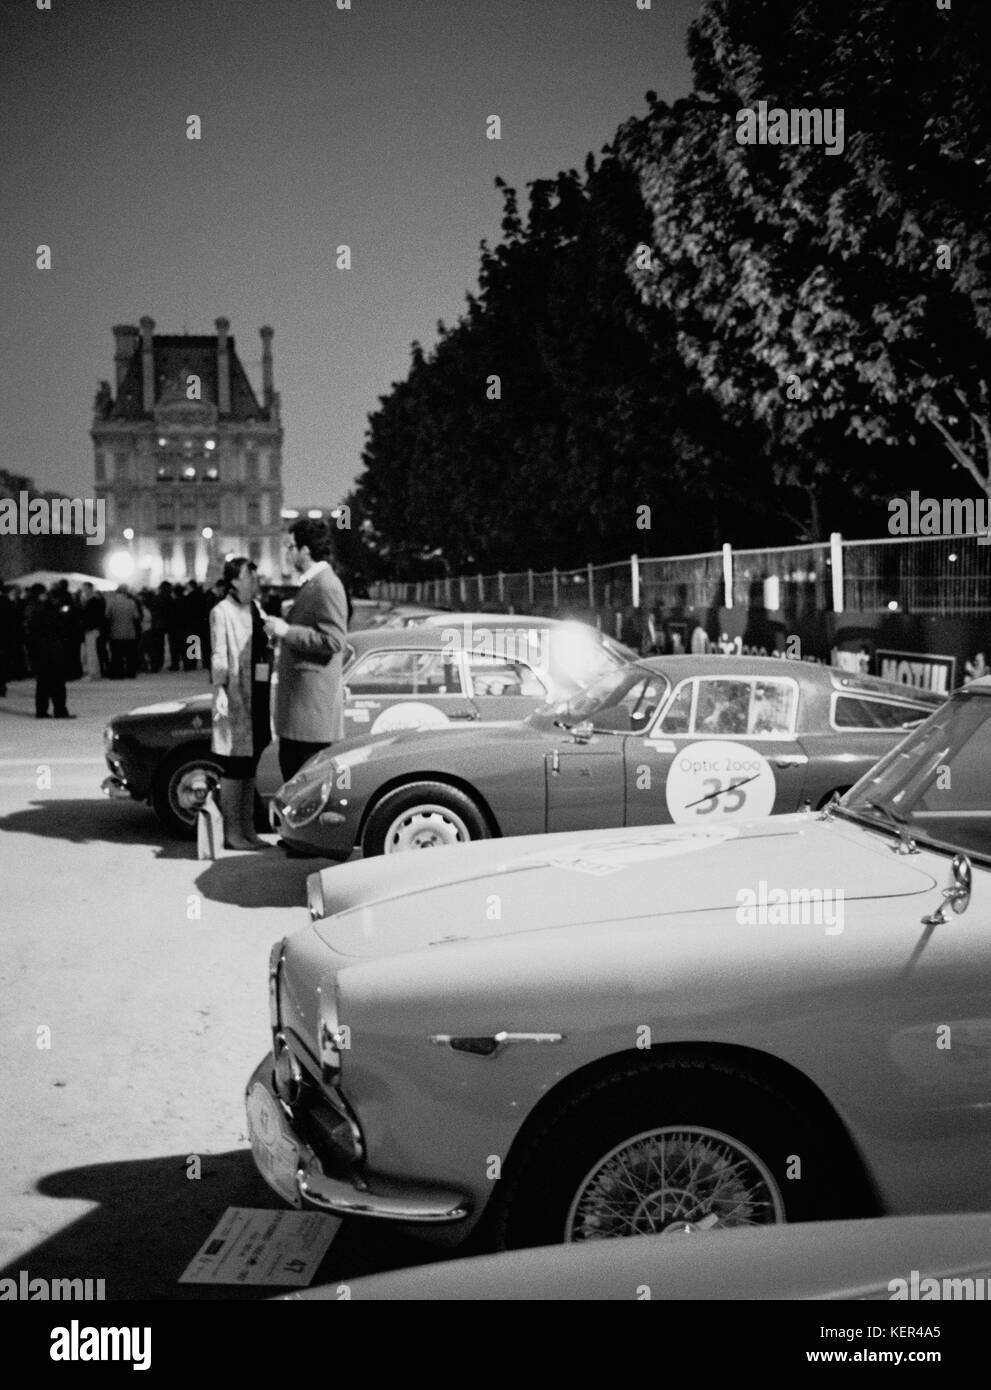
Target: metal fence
927	575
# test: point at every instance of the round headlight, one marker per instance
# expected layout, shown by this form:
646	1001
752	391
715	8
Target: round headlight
307	803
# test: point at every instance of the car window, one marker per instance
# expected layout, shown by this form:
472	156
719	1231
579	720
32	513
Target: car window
856	712
405	673
437	673
935	782
382	673
678	719
723	707
634	707
742	707
493	675
773	708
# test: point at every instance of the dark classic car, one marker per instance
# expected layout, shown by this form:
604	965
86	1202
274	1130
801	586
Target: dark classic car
688	739
673	1029
396	678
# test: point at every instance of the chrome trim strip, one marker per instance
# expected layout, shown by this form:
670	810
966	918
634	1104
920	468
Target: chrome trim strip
347	1199
500	1040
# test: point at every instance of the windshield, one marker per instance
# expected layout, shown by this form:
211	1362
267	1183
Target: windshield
620	701
936	784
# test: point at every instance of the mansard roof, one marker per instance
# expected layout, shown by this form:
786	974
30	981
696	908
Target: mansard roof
175	357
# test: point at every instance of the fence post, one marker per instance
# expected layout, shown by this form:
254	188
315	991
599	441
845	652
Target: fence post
554	587
727	575
529	585
635	580
836	556
502	589
481	589
447	591
591	588
462	592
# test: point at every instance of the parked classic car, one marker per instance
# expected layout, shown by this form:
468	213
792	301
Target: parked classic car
395	678
580	1036
689	739
880	1259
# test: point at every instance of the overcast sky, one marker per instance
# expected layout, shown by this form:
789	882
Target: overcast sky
320	127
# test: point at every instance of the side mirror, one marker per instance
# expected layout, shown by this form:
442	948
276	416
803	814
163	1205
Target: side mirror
582	733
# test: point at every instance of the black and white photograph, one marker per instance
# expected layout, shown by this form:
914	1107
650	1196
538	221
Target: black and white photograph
554	435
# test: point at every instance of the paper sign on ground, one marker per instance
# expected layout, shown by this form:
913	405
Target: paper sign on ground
252	1246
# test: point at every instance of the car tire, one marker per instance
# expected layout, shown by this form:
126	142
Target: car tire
167	790
755	1157
422	815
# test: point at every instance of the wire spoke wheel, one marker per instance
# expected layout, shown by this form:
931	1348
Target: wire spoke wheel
425	827
680	1179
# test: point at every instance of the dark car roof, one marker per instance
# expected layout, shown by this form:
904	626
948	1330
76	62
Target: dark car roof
829	677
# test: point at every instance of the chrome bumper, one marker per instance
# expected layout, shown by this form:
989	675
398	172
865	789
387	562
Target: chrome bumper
115	788
349	1195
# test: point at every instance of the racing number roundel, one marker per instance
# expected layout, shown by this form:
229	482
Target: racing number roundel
716	780
409	714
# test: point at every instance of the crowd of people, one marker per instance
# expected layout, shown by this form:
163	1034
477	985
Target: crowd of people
58	635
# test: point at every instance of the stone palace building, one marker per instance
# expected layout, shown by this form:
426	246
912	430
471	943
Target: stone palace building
187	458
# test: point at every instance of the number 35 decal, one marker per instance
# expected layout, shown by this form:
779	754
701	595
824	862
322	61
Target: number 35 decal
715	779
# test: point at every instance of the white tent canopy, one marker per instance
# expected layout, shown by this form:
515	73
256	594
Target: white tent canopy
50	577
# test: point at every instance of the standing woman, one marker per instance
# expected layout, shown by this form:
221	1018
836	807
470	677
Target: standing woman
240	669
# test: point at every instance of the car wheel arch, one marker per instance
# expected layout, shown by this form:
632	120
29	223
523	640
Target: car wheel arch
763	1067
410	779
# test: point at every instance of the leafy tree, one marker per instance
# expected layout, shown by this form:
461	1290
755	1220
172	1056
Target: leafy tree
784	265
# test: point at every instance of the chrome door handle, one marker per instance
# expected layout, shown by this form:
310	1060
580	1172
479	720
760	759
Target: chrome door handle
467	714
791	760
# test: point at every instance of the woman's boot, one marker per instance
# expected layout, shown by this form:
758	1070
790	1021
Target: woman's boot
231	799
248	815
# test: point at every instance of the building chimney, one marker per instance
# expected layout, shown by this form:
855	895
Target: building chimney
223	367
147	365
126	337
266	335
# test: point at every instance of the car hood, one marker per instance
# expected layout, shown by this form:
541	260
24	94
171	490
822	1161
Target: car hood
496	888
195	704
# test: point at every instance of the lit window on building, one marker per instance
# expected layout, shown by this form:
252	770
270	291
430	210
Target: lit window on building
212	474
189	473
164	474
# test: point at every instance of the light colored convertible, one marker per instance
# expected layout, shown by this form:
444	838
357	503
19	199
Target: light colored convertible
684	1028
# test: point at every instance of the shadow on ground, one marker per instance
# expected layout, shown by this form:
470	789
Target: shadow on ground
83	821
150	1219
265	878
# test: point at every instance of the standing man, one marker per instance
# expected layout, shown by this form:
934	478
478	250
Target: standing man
124	628
94	612
309	698
45	633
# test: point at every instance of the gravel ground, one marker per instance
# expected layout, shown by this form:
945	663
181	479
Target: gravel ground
149	969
